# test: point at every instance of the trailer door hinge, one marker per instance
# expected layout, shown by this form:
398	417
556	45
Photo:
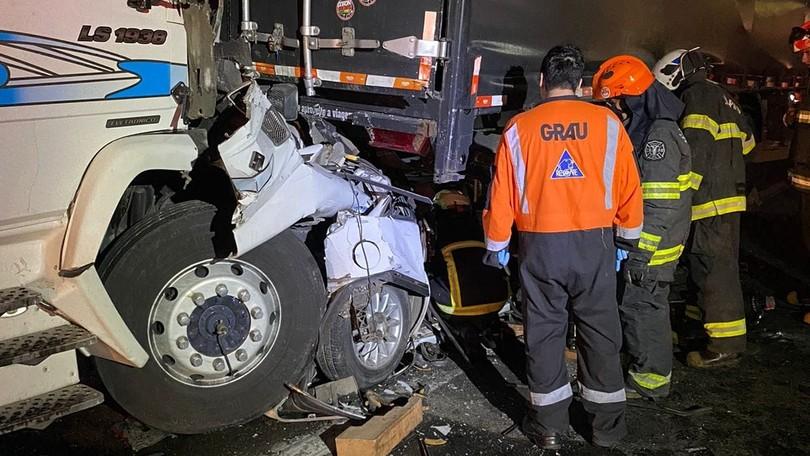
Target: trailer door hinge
412	47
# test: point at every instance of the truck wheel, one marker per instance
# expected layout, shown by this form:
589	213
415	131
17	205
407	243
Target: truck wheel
370	348
223	336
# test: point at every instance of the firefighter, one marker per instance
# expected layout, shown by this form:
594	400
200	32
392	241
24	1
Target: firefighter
566	176
799	174
651	115
719	137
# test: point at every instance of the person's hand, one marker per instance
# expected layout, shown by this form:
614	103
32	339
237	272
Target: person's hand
503	258
621	255
497	259
635	271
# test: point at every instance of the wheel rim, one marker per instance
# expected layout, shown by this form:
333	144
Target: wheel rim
214	322
379	330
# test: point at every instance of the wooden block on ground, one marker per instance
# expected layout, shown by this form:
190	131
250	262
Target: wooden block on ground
381	434
517	328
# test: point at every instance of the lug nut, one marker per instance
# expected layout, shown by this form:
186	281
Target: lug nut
241	355
256	313
219	364
182	342
243	295
183	319
198	299
255	335
196	360
221	290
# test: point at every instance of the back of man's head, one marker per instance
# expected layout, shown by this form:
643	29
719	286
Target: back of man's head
562	67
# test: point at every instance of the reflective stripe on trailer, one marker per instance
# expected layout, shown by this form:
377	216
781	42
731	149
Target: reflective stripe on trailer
343	77
476	76
489	101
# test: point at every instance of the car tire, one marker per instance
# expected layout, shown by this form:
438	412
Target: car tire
338	353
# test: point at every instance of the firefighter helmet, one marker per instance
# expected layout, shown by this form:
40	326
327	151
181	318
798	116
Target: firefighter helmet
669	70
678	65
800	38
622	75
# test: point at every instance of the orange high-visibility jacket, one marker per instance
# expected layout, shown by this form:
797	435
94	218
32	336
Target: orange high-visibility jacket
564	166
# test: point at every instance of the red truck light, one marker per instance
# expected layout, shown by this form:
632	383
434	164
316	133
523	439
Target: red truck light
412	143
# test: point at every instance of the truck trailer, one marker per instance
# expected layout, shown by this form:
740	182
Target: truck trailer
213	199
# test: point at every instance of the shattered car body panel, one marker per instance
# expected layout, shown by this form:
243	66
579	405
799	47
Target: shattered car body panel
279	182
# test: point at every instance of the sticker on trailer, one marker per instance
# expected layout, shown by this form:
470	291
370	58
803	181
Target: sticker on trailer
345	9
367	2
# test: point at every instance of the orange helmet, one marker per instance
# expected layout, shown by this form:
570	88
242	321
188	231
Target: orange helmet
621	75
800	38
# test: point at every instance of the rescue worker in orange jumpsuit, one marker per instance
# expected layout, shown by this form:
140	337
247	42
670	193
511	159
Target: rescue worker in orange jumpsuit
566	176
651	114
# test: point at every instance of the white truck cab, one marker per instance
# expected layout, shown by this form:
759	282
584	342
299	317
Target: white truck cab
149	220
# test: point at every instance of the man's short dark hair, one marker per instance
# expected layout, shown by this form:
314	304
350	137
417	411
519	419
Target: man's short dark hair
562	67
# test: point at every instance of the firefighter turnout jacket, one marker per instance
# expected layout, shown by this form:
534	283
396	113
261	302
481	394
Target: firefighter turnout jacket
719	137
800	148
667	182
563	166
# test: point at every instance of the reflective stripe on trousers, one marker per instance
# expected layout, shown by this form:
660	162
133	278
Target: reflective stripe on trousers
601	397
544	399
719	132
513	139
726	329
650	381
719	207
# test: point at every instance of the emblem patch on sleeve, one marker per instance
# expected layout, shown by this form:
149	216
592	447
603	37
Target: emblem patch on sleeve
655	150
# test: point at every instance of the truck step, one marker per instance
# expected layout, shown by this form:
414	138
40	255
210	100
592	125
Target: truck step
17	297
32	348
39	411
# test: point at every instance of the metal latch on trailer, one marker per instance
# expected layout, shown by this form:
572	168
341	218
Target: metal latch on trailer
347	43
408	46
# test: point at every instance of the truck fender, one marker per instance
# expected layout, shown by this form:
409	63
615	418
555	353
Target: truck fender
106	179
80	295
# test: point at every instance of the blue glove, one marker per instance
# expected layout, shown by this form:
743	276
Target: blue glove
503	258
621	255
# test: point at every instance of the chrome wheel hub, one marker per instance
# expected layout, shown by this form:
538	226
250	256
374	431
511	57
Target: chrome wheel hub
214	322
380	330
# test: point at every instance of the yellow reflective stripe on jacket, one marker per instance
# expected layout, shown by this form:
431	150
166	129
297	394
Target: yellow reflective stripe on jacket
718	207
650	381
690	181
649	242
661	190
664	256
726	329
719	131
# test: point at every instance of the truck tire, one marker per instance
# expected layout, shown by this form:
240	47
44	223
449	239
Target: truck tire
340	352
261	310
